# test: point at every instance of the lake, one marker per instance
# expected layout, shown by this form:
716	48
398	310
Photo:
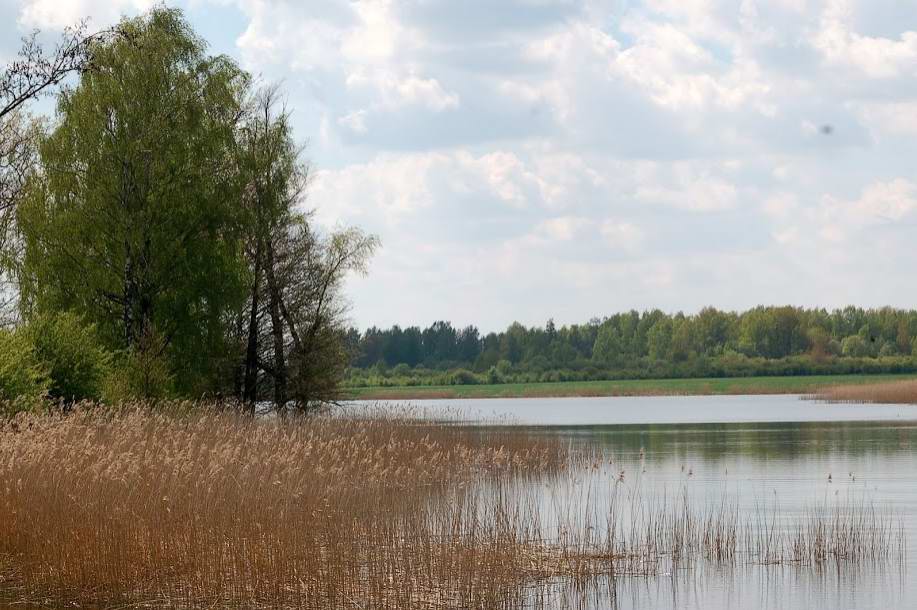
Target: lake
778	455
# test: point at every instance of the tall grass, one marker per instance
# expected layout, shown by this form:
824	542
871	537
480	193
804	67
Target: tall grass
893	392
215	508
195	509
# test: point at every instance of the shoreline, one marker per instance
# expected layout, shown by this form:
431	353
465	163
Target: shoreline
802	384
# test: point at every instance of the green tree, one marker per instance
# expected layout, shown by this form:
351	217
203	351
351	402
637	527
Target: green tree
819	341
293	327
659	339
309	271
683	346
132	224
903	337
608	349
33	73
854	346
713	328
23	378
512	343
76	362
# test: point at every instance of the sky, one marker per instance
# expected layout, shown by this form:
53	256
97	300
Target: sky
522	160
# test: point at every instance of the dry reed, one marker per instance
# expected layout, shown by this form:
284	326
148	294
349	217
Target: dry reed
216	508
893	392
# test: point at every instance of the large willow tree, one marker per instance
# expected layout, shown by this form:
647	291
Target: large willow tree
134	219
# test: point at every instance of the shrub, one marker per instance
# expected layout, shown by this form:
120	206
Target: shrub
887	350
23	380
550	376
70	351
141	372
854	346
463	377
504	367
538	364
401	370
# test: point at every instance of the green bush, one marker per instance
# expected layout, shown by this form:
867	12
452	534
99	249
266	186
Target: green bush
401	370
76	362
504	367
463	377
140	373
888	350
854	346
24	380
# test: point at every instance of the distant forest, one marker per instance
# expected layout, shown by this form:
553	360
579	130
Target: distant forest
652	344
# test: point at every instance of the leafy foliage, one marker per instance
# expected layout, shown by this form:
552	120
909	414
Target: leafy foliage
70	351
293	318
763	340
132	221
163	209
23	378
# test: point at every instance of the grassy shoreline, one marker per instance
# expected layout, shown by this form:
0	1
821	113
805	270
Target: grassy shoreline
802	384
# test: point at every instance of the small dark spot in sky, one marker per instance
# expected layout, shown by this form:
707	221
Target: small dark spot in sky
827	129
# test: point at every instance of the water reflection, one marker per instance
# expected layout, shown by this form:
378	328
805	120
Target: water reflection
746	587
786	464
775	452
649	410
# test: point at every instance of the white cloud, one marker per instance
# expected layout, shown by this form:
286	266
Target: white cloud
897	118
383	190
622	234
562	228
845	230
781	205
378	35
57	14
696	193
875	56
398	91
880	202
355	121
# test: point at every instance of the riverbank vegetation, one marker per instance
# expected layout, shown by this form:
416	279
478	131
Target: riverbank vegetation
765	341
881	392
796	384
184	506
154	242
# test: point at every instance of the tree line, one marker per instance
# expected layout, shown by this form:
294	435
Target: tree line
154	239
763	340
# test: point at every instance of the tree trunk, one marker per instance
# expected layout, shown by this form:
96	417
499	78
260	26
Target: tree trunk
239	368
280	365
250	390
128	304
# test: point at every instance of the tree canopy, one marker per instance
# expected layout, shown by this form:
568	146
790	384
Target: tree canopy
163	208
134	219
762	340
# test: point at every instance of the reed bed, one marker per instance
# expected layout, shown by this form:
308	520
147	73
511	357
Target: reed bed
200	509
894	392
209	508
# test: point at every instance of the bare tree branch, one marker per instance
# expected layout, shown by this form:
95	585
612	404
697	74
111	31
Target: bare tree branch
35	71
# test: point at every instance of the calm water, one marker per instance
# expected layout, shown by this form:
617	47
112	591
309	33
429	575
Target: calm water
773	451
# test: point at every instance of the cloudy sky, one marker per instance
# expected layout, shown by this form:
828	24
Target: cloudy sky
527	159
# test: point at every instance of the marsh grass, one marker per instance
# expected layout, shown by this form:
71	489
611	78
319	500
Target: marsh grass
195	508
893	392
192	508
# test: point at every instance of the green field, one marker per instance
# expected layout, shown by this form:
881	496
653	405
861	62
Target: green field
637	387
